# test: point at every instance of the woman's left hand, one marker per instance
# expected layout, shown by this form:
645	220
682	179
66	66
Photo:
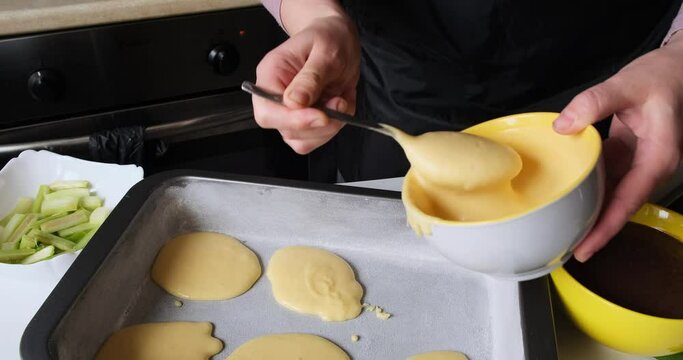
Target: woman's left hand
643	149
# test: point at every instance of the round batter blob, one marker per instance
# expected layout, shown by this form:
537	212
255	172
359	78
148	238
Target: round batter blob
206	266
173	340
439	355
289	347
454	159
315	281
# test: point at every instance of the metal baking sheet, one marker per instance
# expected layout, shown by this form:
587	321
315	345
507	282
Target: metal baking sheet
435	305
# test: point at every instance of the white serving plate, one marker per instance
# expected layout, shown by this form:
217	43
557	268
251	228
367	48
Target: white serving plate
25	287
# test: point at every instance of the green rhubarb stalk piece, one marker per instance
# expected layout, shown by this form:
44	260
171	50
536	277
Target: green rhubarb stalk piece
58	242
8	246
15	254
28	242
40	255
43	220
76	218
12	225
77	192
42	191
69	184
23	228
81	228
23	206
98	215
91	202
84	240
76	237
59	205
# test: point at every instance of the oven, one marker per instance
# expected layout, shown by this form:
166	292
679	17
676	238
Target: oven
91	92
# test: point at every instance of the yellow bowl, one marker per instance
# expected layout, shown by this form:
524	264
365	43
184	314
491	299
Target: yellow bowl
613	325
562	173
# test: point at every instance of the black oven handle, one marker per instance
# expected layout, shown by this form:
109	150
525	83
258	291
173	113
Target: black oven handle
183	130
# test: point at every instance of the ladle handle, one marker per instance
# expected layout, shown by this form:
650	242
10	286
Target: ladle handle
349	119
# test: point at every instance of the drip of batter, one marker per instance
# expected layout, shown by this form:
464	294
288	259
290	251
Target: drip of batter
456	160
289	347
439	355
315	281
172	340
206	266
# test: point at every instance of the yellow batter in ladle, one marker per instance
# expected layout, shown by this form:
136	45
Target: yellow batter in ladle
456	160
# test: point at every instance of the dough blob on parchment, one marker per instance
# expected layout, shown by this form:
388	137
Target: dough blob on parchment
315	281
206	266
289	347
171	340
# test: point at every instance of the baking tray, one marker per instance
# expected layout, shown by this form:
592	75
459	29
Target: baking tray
436	305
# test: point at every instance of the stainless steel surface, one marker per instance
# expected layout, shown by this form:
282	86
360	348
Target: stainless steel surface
183	130
435	305
349	119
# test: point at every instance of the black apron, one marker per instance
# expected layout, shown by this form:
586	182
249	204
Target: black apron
449	64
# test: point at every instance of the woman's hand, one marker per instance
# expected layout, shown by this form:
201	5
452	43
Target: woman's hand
320	62
644	144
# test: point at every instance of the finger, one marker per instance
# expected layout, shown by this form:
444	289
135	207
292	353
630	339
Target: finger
626	199
348	96
592	105
338	103
323	121
278	67
274	116
310	81
267	114
326	132
273	72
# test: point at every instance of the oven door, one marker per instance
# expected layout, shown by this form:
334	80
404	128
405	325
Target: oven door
215	132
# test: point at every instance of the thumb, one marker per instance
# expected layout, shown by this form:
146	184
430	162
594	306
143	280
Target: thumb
590	106
309	83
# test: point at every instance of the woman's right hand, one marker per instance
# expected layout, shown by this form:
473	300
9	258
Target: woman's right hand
320	62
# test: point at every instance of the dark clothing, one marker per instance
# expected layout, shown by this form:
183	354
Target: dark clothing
431	65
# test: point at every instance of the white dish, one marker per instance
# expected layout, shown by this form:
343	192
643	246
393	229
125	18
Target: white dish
25	287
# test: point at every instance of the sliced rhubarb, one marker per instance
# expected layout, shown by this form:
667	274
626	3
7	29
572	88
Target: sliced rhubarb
76	218
40	255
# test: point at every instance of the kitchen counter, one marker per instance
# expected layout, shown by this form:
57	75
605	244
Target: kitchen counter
30	16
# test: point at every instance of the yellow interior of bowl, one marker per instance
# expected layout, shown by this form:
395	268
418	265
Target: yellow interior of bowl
614	325
553	165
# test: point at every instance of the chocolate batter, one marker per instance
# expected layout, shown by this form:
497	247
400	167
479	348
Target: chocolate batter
640	269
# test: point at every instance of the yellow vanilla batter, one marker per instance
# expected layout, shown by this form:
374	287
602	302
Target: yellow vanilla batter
206	266
173	340
551	164
289	347
458	160
439	355
315	281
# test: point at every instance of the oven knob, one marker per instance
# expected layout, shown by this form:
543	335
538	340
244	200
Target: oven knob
46	85
224	59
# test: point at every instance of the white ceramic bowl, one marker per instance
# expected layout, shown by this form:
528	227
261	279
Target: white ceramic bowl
530	244
25	287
